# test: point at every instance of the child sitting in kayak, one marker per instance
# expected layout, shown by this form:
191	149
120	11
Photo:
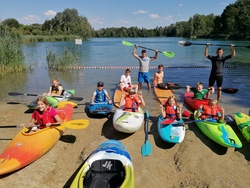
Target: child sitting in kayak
172	110
211	111
55	89
132	101
100	95
199	92
44	116
126	83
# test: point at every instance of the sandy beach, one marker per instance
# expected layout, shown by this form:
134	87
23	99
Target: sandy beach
196	162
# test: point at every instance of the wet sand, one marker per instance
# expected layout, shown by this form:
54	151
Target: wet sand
196	162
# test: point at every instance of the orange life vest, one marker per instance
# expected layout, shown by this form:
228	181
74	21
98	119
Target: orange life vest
210	112
132	105
171	111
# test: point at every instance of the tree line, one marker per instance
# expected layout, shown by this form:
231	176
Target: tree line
233	23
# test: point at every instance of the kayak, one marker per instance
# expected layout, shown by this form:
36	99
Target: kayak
53	100
243	122
103	108
110	165
27	146
219	132
117	97
162	94
194	104
128	122
173	133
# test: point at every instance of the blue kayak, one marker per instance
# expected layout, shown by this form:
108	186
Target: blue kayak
108	166
173	133
102	108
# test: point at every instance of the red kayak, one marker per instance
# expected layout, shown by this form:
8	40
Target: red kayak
193	104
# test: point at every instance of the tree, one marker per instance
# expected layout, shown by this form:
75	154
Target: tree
11	22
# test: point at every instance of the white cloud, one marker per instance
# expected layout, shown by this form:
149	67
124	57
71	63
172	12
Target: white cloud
180	5
97	20
140	12
154	16
50	13
123	21
30	19
167	18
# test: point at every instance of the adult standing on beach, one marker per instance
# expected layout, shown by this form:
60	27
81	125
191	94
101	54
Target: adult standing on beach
218	62
143	74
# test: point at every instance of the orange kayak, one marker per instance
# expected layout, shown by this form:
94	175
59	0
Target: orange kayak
25	147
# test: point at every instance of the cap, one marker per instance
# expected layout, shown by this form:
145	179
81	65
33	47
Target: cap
100	84
131	91
143	51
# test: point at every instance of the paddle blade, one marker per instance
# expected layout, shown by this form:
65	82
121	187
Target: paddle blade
230	90
63	103
184	43
76	124
167	54
76	98
14	93
127	43
146	148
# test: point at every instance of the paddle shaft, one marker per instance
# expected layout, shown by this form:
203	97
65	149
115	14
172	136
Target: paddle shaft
190	43
28	94
149	49
18	126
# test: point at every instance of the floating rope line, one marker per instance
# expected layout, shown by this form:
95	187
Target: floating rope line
151	67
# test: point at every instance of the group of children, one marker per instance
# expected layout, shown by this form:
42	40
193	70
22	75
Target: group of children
129	102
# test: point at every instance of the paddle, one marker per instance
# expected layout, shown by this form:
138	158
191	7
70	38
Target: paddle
146	148
165	53
186	43
225	90
28	94
73	124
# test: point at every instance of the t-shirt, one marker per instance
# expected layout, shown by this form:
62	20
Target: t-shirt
199	94
144	64
125	80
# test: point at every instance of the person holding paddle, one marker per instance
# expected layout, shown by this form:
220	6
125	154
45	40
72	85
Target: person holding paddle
44	116
218	62
143	74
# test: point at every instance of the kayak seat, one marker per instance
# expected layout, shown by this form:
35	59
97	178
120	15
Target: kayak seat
105	173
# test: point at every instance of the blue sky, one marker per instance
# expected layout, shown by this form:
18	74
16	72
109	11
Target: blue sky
113	13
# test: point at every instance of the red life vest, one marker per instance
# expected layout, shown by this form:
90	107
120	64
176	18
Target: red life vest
210	112
44	118
132	105
171	111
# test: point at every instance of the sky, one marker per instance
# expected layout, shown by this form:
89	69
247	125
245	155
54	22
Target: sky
113	13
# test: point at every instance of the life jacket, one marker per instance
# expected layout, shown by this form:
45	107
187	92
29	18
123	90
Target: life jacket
131	105
100	96
209	112
44	118
171	111
55	89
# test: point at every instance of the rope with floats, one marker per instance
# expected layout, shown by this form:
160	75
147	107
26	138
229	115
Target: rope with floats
151	67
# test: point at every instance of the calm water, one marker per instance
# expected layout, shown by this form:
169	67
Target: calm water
111	52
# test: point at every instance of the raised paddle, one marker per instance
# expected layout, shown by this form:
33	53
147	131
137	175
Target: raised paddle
186	43
28	94
225	90
146	148
165	53
73	124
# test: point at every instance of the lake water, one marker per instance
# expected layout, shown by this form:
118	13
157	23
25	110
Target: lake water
107	59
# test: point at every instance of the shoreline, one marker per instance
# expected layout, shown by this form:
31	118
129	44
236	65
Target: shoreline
196	162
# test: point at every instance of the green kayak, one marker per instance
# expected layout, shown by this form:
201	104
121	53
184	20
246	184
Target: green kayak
53	100
219	132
